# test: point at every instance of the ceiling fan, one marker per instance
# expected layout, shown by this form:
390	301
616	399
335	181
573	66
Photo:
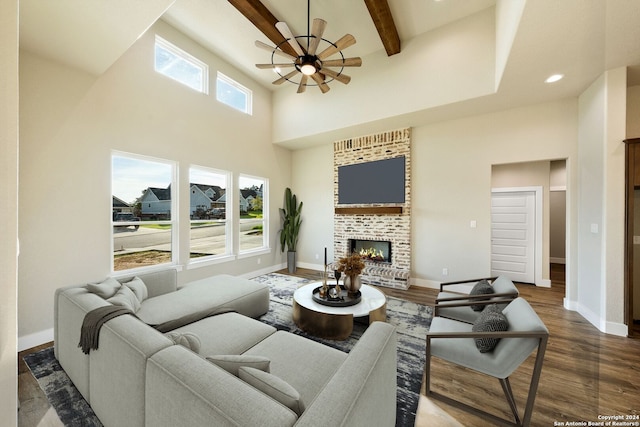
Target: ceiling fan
307	63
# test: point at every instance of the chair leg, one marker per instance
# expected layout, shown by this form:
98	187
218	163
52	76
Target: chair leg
506	387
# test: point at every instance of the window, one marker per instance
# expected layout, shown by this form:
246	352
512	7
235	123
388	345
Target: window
210	219
232	93
178	65
143	220
253	196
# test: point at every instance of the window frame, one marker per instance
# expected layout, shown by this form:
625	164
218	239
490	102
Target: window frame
233	83
173	221
265	248
185	56
228	220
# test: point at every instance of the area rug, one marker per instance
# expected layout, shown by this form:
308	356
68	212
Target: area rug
411	320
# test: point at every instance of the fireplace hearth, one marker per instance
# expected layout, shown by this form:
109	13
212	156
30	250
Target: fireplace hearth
372	250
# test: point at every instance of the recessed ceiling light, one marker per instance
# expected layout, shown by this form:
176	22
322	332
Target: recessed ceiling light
554	78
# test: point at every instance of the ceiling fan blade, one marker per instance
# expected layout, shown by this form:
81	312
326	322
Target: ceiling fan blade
347	62
267	66
274	50
346	41
342	78
321	84
287	34
285	78
303	83
316	31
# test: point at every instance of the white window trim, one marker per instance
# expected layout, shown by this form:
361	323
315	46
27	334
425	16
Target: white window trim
173	222
187	57
248	92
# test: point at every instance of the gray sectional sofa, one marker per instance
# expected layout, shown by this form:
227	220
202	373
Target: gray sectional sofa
242	372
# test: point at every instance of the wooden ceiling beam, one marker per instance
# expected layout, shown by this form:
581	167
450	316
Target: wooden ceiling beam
263	20
381	15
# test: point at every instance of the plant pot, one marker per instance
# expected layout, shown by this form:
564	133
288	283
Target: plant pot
291	261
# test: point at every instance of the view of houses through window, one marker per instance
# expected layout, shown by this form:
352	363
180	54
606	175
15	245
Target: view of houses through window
145	216
209	235
142	211
253	217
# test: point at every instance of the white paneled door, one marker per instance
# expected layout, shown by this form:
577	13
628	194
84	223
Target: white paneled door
513	235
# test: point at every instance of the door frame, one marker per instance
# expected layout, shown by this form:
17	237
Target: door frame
537	257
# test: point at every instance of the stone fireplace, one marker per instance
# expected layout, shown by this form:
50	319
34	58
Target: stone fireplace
377	228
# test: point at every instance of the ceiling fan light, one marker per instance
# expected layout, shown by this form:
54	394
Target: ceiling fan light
308	69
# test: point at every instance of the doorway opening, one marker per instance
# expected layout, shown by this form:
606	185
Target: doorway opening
549	177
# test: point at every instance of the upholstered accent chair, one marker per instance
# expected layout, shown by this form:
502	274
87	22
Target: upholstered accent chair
456	303
456	342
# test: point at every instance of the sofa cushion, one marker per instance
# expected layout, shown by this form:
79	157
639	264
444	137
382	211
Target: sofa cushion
490	320
138	287
233	362
228	333
274	387
105	289
185	339
125	298
242	295
483	287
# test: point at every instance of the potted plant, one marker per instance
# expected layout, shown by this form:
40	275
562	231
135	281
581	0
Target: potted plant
291	221
351	266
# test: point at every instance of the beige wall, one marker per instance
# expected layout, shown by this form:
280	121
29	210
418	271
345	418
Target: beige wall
600	294
70	124
451	183
8	209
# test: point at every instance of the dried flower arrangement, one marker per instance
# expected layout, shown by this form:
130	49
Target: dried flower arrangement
351	265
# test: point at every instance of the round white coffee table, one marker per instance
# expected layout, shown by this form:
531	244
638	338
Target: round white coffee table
335	322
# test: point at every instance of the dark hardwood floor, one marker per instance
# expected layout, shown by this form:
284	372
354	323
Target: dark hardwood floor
586	374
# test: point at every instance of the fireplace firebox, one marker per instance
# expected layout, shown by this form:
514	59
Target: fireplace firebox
372	250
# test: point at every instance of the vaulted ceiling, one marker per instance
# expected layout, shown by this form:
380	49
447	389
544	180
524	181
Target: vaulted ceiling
457	57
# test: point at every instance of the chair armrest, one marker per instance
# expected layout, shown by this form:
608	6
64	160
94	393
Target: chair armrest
460	282
478	299
503	334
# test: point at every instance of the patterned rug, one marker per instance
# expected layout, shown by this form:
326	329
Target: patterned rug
411	320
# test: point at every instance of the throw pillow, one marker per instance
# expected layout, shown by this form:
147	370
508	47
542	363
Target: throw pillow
185	339
490	320
274	387
105	289
481	288
232	362
125	298
138	287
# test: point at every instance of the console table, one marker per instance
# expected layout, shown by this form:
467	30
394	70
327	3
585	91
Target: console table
336	322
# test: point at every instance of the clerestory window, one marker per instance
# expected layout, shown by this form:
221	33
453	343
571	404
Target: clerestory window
180	66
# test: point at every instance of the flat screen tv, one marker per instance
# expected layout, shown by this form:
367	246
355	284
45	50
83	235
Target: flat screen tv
380	181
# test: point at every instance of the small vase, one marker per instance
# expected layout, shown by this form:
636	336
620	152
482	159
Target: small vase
352	284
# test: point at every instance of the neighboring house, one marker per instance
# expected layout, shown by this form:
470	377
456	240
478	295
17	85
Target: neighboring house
202	197
245	203
156	203
119	206
249	195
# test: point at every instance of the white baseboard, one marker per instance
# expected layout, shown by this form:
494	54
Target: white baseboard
425	283
266	270
554	260
612	328
34	340
544	283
